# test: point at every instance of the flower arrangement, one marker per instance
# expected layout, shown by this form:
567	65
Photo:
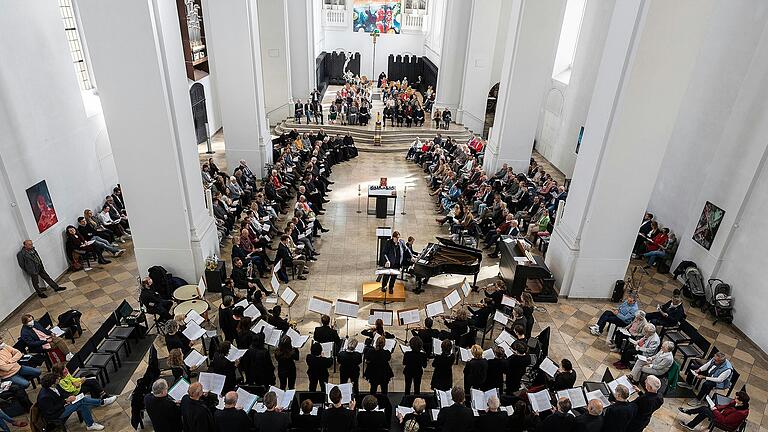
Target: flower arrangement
211	263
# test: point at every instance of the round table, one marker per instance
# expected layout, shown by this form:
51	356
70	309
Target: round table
186	293
199	306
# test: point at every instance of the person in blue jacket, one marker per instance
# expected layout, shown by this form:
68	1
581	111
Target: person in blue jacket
621	316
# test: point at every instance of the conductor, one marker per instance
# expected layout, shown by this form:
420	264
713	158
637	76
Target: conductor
395	255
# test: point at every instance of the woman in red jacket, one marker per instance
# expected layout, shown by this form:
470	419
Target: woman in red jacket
730	415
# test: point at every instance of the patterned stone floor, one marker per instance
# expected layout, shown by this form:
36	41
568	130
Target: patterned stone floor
347	260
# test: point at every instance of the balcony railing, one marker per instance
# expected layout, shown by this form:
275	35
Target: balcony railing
335	17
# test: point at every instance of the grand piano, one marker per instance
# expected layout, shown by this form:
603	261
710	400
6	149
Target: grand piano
526	273
446	257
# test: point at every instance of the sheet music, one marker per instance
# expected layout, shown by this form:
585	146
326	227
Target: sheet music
508	301
193	331
401	411
621	380
452	299
405	348
235	354
211	382
710	402
210	333
387	316
277	267
597	394
465	288
549	367
509	409
435	413
263	326
252	312
358	348
444	398
57	331
284	398
178	390
288	295
242	303
297	340
192	316
271	299
273	338
500	318
194	359
488	354
346	391
320	305
327	349
245	400
504	337
220	405
389	345
383	232
437	348
434	309
642	358
522	260
201	287
274	282
409	316
575	395
480	398
347	308
509	240
466	355
507	349
624	331
540	400
388	271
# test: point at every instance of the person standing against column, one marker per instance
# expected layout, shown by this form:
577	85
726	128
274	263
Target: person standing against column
30	261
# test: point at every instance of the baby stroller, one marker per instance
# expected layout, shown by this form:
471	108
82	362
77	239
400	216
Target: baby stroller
694	286
719	300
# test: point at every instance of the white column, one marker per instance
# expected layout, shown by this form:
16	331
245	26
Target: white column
450	71
135	50
630	120
302	47
275	62
586	60
531	48
484	24
232	32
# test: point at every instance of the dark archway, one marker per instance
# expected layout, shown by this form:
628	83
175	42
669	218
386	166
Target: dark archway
490	109
199	112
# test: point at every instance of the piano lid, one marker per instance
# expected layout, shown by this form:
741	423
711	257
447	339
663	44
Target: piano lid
448	242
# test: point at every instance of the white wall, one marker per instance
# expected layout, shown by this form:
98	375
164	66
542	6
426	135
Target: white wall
301	46
347	40
275	65
433	37
45	134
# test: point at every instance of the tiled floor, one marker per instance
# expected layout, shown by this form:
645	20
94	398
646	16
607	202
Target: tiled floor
347	260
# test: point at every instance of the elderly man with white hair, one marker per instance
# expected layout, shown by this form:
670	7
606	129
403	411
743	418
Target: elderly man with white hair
592	420
657	364
646	405
494	419
162	409
645	346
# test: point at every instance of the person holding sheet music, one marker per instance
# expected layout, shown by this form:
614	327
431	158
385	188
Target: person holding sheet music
476	369
670	313
592	420
317	367
442	365
325	333
163	411
376	331
271	420
414	362
368	419
635	330
419	415
195	415
177	366
378	371
286	356
646	404
394	256
647	346
658	364
175	339
565	377
227	322
730	415
457	417
560	420
493	419
257	365
276	320
232	418
244	336
528	306
494	379
522	419
337	418
349	364
289	260
517	363
426	334
222	366
617	416
305	420
620	316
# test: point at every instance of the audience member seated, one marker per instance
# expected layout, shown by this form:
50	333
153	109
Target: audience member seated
11	370
456	417
670	313
633	330
338	418
657	364
714	374
151	300
730	415
620	316
76	386
645	346
41	340
646	226
76	243
56	406
163	411
661	244
88	232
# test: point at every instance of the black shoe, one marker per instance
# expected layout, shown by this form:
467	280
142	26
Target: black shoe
324	230
330	182
383	289
326	201
390	291
42	295
301	277
59	288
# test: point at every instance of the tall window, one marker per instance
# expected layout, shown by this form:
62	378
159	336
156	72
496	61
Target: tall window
75	45
569	37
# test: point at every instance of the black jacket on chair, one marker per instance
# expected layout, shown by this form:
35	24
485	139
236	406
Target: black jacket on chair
164	413
455	418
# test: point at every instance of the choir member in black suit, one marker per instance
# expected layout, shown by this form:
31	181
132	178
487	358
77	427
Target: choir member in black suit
232	418
349	364
271	420
457	417
286	356
317	367
337	418
305	421
494	379
367	418
378	371
442	365
414	361
476	369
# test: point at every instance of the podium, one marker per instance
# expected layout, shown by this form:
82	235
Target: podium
382	195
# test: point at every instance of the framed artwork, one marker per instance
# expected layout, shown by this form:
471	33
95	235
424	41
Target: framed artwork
709	223
42	206
376	15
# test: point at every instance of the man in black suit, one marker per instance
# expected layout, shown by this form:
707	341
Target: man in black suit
284	254
560	420
395	256
426	334
337	418
55	407
227	321
232	418
162	409
305	420
326	333
645	228
195	414
367	418
592	420
646	404
618	415
457	417
493	419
